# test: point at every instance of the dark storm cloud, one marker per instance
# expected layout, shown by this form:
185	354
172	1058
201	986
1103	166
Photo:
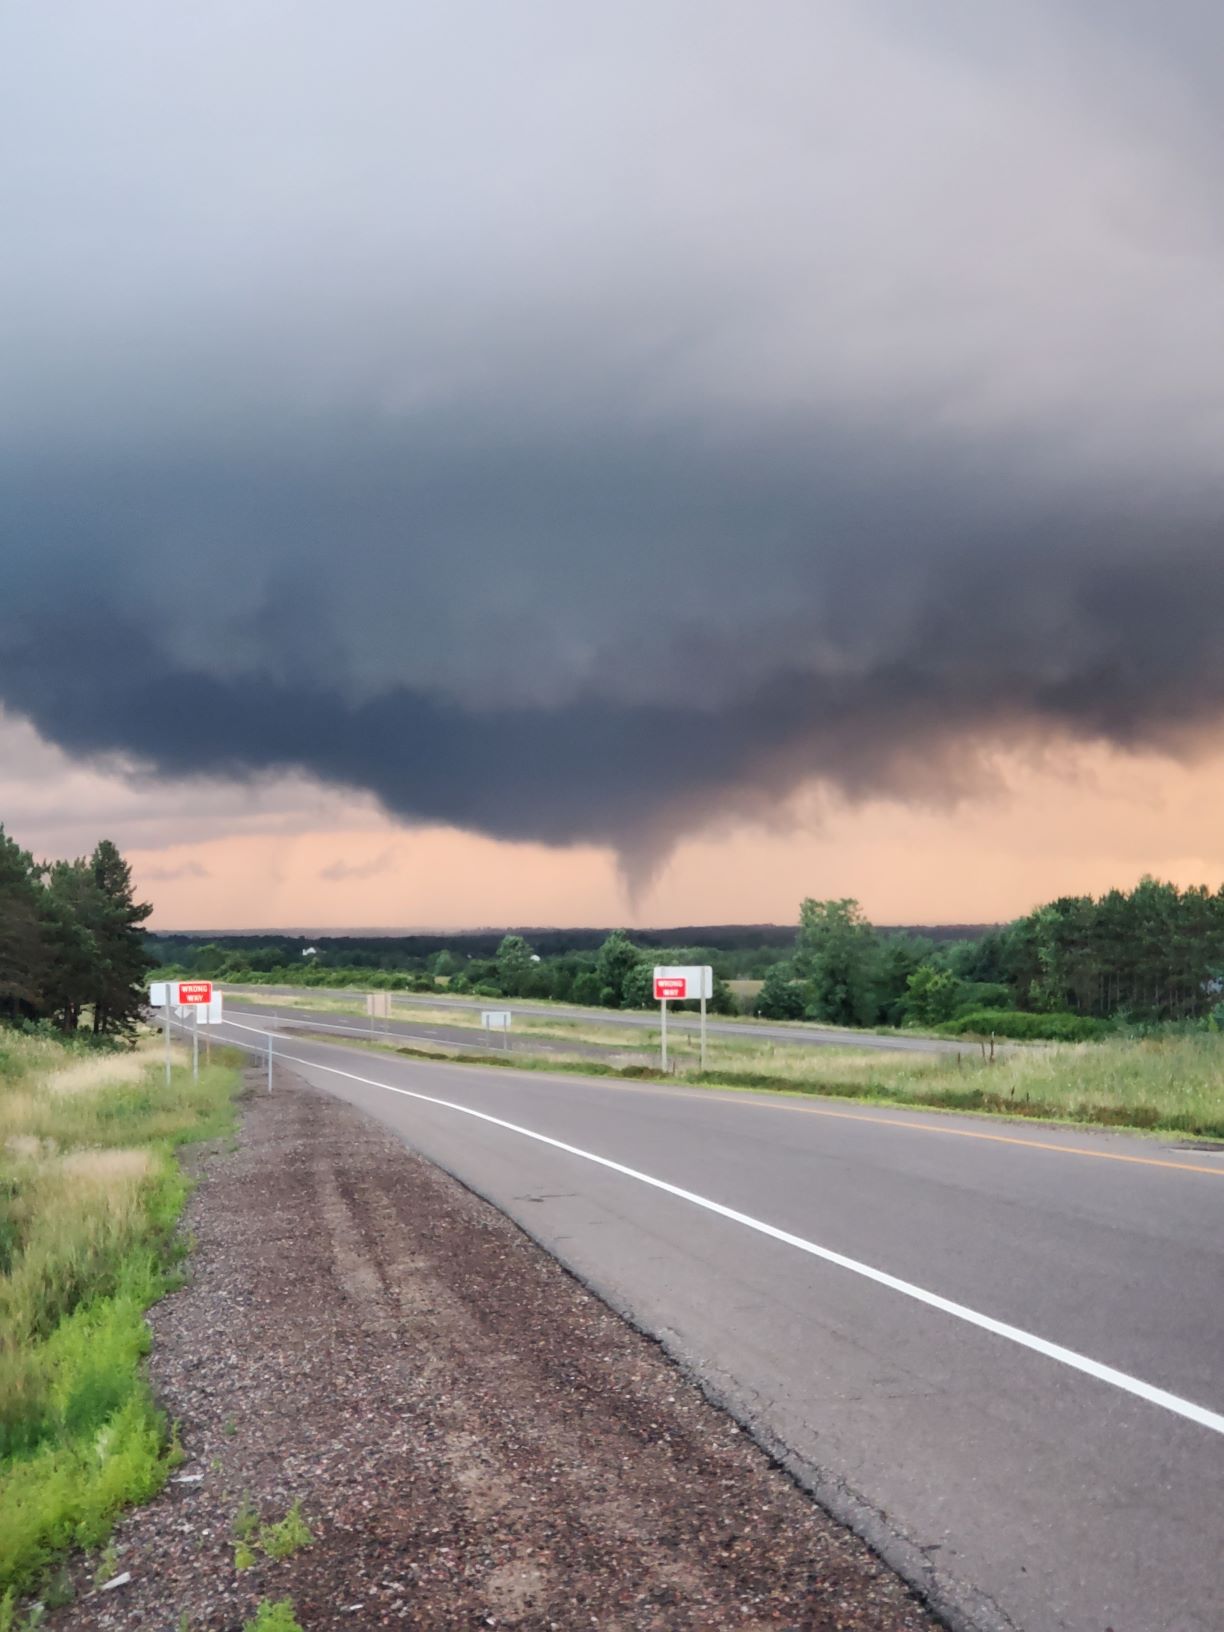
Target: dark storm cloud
578	432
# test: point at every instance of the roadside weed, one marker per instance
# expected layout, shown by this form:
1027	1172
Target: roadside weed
274	1617
246	1519
288	1537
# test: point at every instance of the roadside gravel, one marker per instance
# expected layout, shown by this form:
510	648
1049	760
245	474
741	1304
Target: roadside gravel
475	1440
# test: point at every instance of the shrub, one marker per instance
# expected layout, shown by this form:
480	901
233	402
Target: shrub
1053	1028
780	998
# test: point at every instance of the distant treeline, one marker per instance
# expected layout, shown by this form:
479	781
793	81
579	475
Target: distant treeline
736	951
1154	954
72	951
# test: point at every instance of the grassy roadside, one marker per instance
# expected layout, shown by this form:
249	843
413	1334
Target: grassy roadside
1172	1085
90	1191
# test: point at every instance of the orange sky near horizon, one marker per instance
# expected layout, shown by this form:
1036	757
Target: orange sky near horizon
1080	824
288	852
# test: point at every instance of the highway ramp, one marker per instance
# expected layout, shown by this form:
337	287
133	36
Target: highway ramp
888	1367
794	1032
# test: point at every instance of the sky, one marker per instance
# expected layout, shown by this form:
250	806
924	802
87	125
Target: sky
541	464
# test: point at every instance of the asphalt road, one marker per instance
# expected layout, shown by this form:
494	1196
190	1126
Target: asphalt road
790	1031
997	1348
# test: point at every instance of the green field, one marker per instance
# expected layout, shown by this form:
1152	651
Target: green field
90	1192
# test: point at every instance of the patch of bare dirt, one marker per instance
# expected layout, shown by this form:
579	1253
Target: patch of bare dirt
475	1440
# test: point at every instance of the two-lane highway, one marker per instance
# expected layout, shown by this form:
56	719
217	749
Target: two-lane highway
998	1349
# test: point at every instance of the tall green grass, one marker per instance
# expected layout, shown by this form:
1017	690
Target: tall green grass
90	1190
1172	1083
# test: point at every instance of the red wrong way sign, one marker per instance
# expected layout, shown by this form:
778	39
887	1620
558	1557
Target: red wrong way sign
667	987
195	991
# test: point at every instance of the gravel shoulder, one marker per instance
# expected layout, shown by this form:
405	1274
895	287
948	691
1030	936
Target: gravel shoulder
474	1438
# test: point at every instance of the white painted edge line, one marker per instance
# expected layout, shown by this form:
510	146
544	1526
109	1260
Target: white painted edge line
959	1311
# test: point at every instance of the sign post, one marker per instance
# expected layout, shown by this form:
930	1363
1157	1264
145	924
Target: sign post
191	994
678	985
497	1020
378	1006
162	993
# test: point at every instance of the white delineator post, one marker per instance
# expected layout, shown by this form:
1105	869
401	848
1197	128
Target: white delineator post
269	1035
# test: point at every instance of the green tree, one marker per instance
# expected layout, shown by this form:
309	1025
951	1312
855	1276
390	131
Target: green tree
835	953
515	965
614	963
781	997
123	963
70	902
933	995
23	937
637	989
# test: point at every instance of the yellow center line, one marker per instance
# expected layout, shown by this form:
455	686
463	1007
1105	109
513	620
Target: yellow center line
964	1133
734	1097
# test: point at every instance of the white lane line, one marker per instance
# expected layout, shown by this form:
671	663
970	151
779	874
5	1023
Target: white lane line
959	1311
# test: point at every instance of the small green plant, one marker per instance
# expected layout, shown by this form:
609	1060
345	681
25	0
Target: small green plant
58	1589
274	1617
288	1537
244	1556
108	1564
231	1428
246	1519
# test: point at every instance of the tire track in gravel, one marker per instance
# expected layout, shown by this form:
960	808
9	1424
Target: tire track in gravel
476	1440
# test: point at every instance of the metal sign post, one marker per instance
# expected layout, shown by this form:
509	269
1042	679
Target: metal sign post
679	985
162	993
497	1020
195	1047
378	1006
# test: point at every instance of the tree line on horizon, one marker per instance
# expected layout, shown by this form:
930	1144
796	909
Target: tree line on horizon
1152	954
72	950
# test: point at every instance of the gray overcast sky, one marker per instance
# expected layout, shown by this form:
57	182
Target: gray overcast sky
570	421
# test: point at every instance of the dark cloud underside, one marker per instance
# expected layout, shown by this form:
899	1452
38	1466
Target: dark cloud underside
576	433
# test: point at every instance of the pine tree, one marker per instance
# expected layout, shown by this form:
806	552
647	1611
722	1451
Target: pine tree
23	941
70	908
123	963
